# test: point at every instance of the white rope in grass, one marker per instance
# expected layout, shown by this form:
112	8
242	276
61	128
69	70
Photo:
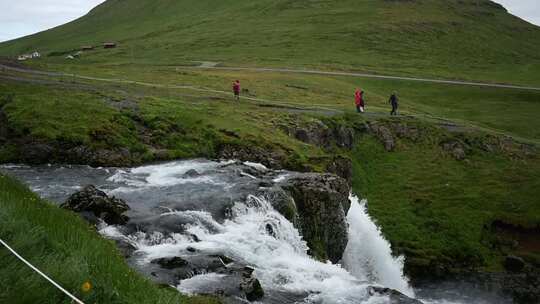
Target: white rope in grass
41	273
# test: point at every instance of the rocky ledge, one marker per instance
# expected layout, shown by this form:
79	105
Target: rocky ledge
322	201
94	205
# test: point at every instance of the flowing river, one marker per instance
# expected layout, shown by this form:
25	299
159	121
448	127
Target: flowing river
210	212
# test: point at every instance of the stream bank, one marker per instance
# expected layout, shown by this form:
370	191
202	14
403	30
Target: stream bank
339	138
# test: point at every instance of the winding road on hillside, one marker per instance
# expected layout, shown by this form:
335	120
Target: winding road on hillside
208	66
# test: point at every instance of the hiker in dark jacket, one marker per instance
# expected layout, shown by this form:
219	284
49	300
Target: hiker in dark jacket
394	102
236	89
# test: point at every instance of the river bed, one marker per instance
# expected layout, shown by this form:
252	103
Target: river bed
201	210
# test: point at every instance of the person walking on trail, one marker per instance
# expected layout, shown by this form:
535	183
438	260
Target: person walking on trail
359	100
236	89
394	102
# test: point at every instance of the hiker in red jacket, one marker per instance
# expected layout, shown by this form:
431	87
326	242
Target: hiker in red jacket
236	89
359	100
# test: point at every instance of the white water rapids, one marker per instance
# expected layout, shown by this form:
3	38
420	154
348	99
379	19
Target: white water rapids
279	259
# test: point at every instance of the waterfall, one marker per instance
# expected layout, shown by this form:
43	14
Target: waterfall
368	255
280	258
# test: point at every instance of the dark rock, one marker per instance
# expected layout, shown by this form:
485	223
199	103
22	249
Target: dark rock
524	287
266	184
302	135
237	280
322	201
514	263
455	148
247	272
195	238
403	130
315	133
495	287
100	157
384	135
269	157
36	153
343	136
253	289
394	296
108	157
361	128
319	134
4	130
342	167
191	249
225	259
172	270
161	154
270	230
253	171
170	263
282	203
192	173
97	203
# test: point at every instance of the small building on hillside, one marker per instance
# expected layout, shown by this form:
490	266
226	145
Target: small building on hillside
109	45
23	57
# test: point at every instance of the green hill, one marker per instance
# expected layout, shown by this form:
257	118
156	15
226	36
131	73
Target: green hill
464	39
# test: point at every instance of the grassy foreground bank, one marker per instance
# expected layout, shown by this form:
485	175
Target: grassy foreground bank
67	249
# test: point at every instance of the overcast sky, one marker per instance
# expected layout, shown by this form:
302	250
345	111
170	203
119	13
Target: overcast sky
23	17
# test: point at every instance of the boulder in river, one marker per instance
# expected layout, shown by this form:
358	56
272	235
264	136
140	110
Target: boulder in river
236	280
171	262
191	173
394	296
322	201
94	204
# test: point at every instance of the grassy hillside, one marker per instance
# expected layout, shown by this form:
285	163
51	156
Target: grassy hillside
438	210
71	252
471	39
